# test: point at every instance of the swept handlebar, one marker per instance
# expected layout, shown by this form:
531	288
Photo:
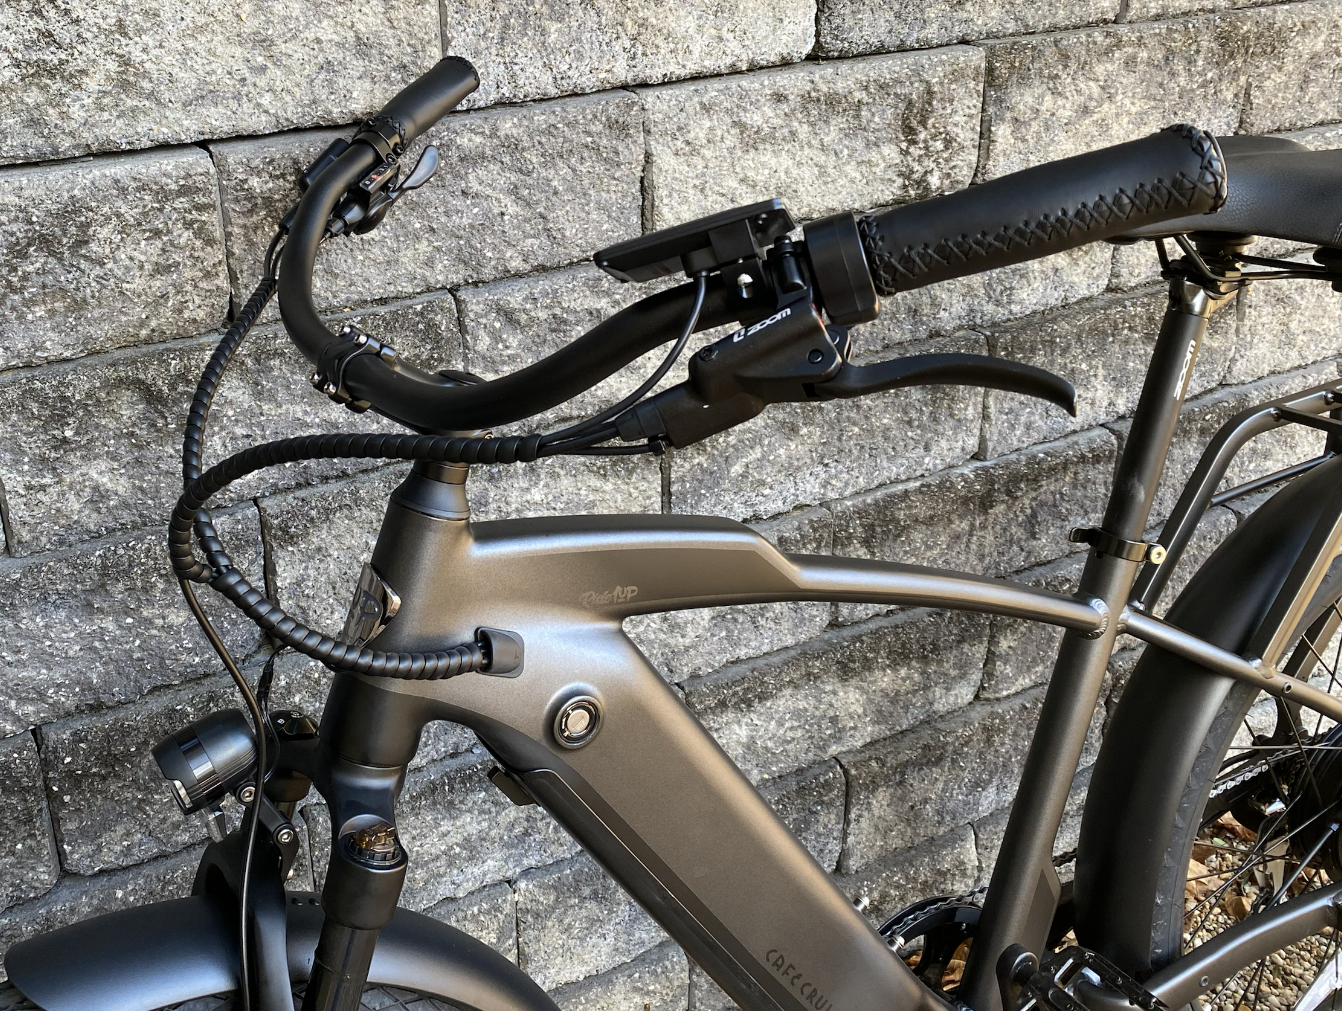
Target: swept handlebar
1019	217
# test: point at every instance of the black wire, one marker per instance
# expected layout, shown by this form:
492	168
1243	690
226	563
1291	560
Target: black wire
583	427
254	808
642	447
577	443
191	469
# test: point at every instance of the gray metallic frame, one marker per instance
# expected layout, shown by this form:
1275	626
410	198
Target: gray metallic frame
654	797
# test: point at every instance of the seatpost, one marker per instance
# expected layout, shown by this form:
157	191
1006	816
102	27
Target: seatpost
1024	890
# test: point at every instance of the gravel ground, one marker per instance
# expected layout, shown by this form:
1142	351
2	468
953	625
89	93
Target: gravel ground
1217	896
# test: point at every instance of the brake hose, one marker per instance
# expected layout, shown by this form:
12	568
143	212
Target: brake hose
190	514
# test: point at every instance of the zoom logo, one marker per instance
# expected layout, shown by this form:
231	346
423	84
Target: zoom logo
795	978
746	331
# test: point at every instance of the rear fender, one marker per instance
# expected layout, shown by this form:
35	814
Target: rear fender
1156	735
150	956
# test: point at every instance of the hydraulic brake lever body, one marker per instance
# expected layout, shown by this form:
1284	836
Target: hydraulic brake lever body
791	356
774	360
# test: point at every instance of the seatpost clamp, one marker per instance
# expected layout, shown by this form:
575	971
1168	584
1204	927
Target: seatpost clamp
1109	544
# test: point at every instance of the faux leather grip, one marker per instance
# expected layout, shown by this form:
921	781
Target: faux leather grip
1046	209
431	96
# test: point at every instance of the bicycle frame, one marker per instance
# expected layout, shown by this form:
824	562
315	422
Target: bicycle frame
651	795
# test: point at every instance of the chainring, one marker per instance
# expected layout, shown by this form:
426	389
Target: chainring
927	934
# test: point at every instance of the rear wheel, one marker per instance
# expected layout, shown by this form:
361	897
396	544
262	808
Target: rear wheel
1269	831
1259	823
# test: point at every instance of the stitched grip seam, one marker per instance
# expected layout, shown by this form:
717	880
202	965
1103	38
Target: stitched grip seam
893	271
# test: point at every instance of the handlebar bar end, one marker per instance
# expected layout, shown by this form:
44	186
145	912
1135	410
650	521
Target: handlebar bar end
840	269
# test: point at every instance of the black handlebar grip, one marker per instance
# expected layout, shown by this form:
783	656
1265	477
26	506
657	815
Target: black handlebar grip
430	97
1046	209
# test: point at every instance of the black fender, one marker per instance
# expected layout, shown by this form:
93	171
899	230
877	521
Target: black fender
150	956
1157	732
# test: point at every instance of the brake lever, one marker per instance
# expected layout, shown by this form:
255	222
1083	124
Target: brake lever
949	369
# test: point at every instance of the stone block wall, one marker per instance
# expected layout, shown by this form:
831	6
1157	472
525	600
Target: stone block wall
146	153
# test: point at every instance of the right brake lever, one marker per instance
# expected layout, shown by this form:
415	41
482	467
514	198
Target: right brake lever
953	370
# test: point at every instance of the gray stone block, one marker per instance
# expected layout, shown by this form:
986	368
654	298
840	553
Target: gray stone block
864	682
946	865
463	834
1021	653
574	921
510	324
1103	347
705	995
852	27
519	189
1150	10
560	486
99	77
1135	266
111	805
94	447
104	624
77	898
525	52
824	137
316	818
319	538
1286	324
1214	527
31	865
993	296
76	286
993	517
803	454
1293	78
989	831
811	802
684	643
1121	666
488	914
655	981
922	783
1318	138
1106	85
1203	416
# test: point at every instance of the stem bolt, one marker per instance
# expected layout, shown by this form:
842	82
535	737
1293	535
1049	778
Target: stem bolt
247	794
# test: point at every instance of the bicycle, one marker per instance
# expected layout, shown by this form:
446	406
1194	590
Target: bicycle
513	629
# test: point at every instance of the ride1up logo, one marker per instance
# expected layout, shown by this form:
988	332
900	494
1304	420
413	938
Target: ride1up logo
598	598
796	979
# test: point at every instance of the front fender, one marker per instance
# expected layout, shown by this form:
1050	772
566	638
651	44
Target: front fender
150	956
